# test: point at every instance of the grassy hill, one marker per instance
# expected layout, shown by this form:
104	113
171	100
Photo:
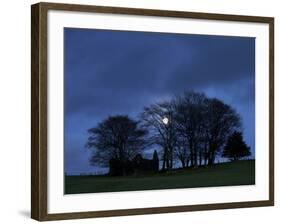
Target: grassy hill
224	174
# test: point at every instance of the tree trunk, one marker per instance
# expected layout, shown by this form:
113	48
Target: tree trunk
191	158
200	158
212	157
195	158
182	162
206	160
187	162
167	162
164	162
170	158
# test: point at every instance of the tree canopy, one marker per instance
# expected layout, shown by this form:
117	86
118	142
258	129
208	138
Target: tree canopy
117	137
190	128
235	147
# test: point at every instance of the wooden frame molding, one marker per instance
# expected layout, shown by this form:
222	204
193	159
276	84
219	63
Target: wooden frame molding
39	106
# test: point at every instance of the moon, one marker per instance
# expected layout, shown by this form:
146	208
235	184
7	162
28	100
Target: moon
165	120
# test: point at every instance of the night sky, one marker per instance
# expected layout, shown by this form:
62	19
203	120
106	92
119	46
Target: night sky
119	72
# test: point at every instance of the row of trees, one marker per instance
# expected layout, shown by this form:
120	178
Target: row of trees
190	128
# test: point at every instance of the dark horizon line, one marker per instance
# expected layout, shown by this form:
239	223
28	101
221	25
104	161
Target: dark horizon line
177	168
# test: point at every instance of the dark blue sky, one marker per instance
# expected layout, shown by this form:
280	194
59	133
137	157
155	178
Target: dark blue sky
119	72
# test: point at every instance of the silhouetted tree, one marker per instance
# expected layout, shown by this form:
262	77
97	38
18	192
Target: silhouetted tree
155	155
189	121
156	160
182	152
158	119
235	147
117	137
191	128
221	120
196	130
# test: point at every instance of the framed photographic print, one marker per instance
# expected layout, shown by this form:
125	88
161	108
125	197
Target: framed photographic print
141	111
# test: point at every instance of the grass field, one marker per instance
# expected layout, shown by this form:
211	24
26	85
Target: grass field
224	174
